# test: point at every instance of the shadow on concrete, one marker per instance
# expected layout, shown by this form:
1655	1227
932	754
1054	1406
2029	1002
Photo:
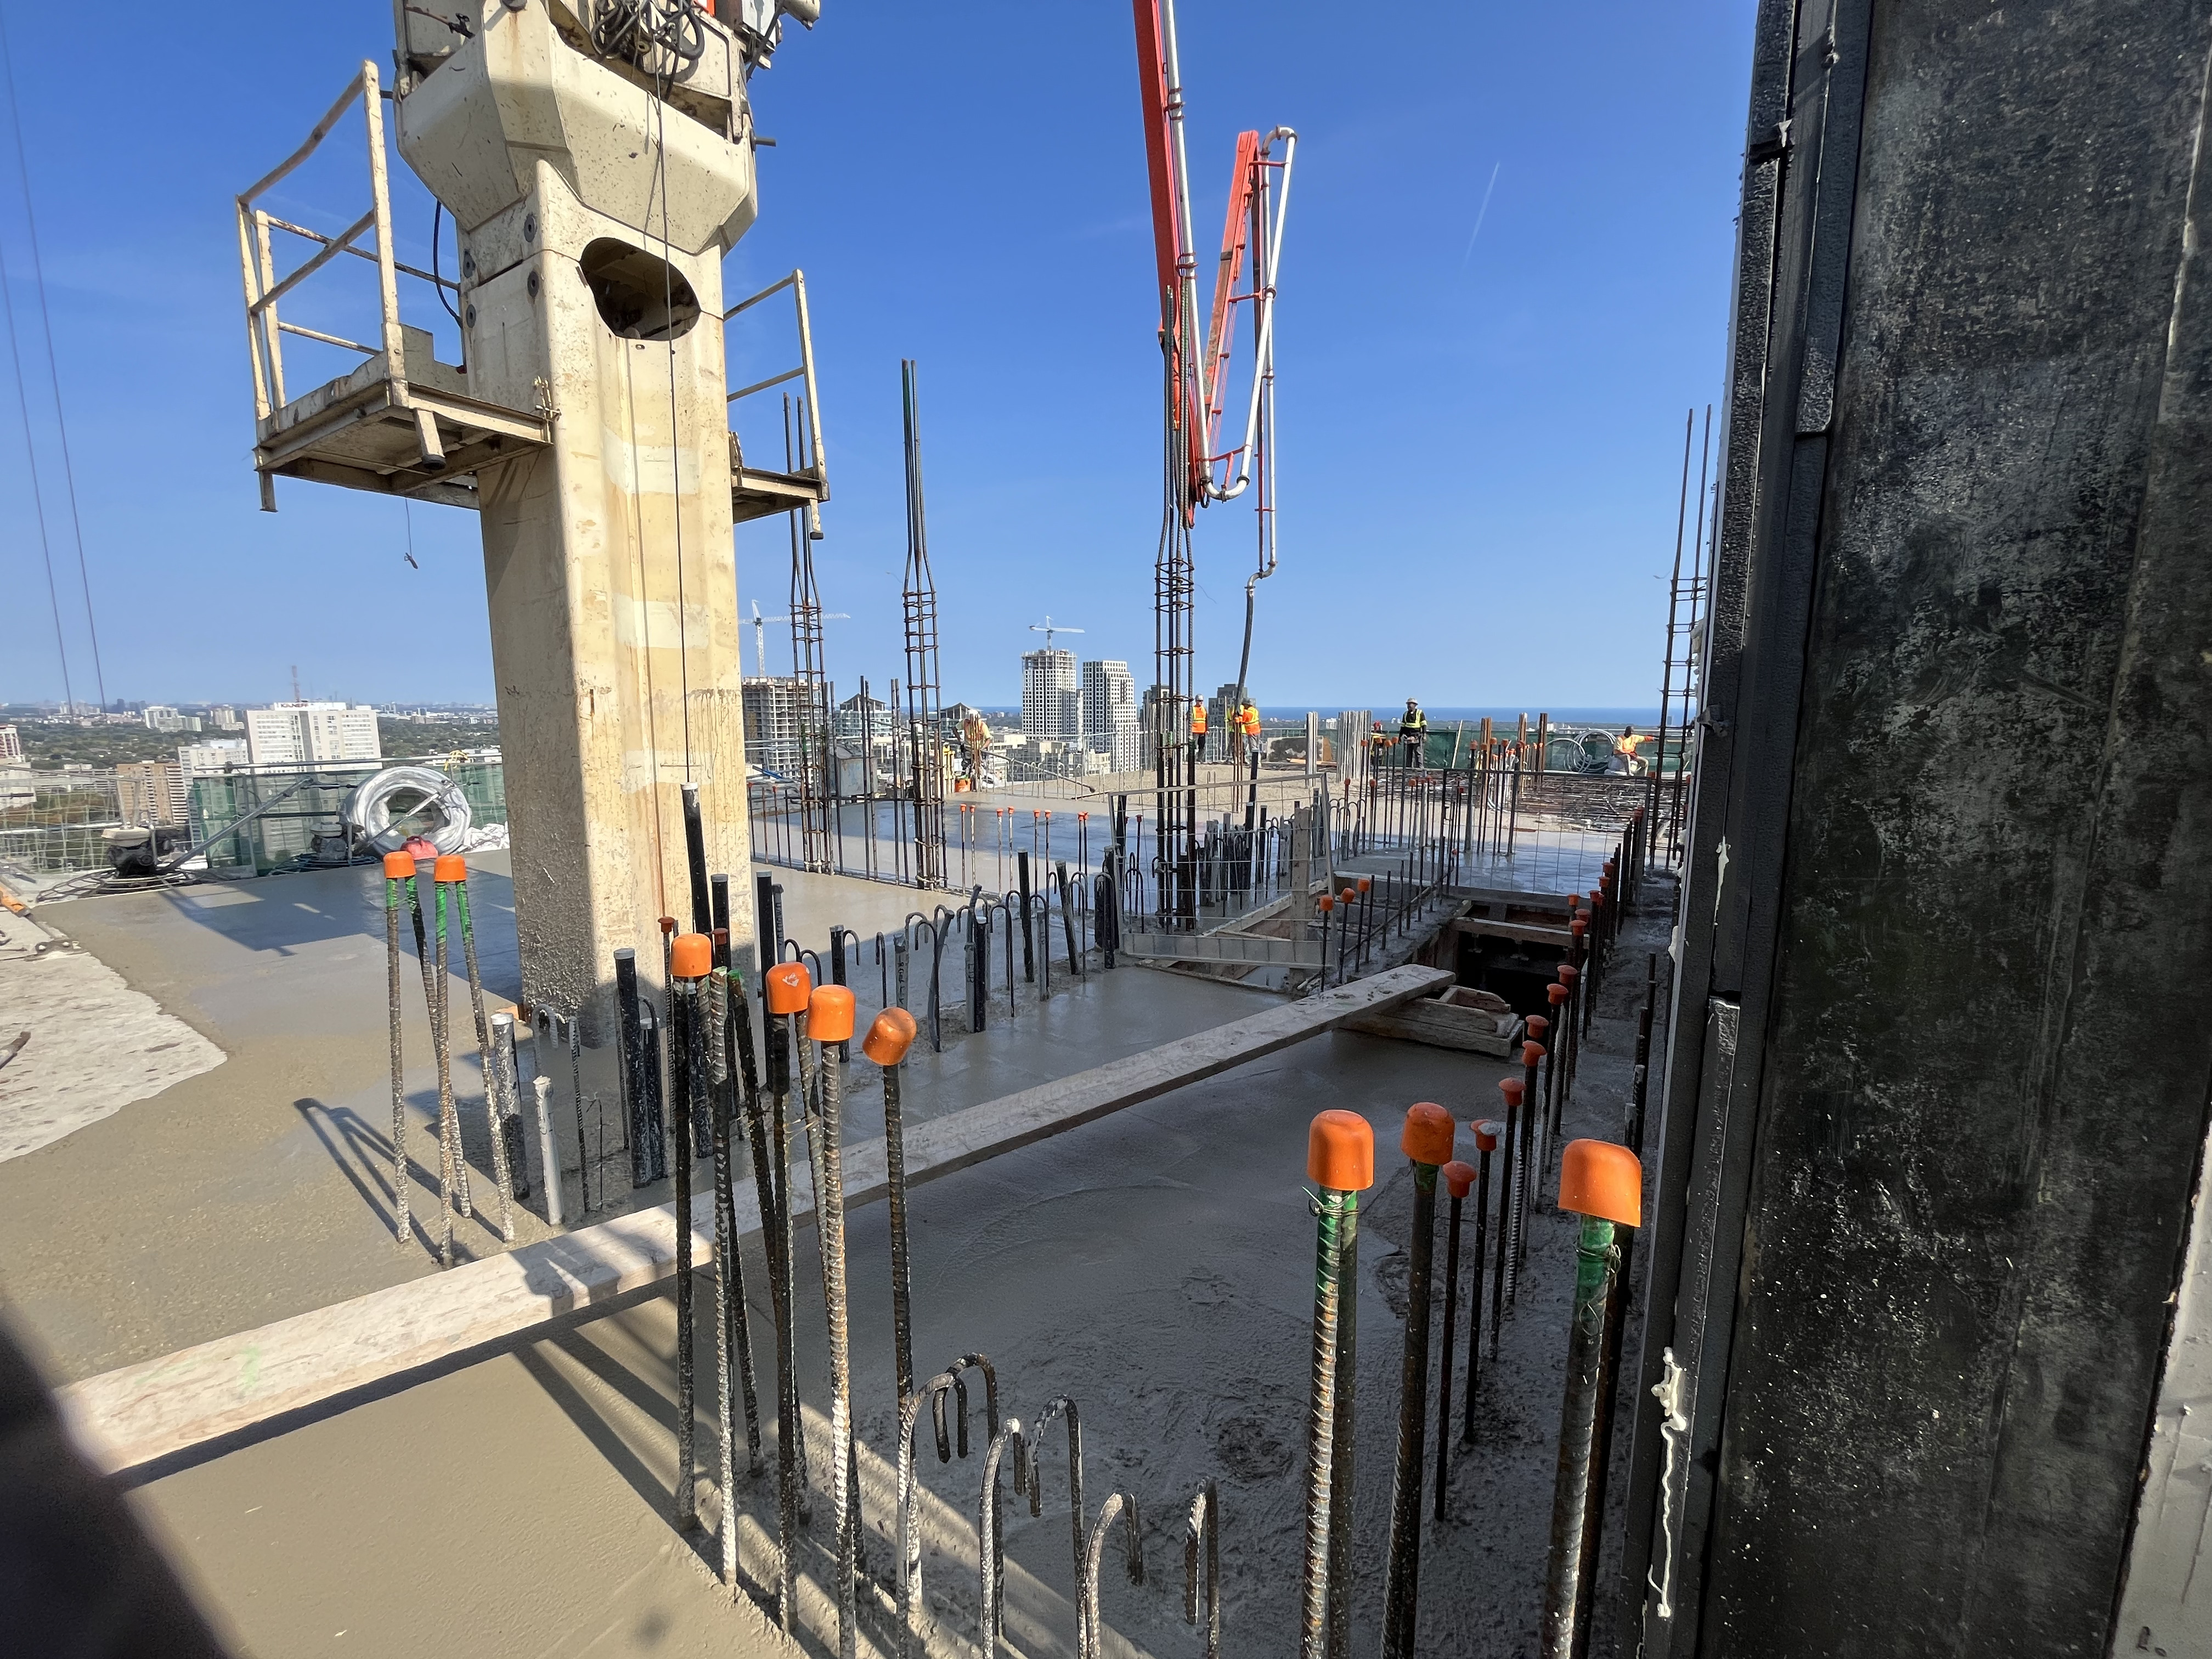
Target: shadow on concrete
363	1155
287	913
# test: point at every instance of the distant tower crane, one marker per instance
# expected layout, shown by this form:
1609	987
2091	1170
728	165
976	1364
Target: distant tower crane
596	158
1195	382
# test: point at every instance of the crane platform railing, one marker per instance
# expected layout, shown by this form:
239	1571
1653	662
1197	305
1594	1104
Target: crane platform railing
400	423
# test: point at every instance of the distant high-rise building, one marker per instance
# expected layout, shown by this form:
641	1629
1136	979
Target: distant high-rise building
869	717
307	733
11	745
772	706
1051	705
160	717
1112	723
150	792
224	717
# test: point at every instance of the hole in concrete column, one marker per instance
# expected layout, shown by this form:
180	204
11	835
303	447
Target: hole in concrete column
640	296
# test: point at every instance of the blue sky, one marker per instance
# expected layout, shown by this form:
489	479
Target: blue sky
1479	439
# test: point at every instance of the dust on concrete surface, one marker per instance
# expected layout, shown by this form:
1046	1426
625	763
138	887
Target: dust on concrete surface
1156	1266
95	1045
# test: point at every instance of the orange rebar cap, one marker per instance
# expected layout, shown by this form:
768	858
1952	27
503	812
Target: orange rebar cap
398	867
830	1014
888	1037
1538	1025
788	985
1327	903
1340	1151
1490	1131
1600	1179
1513	1089
1427	1138
450	866
668	924
692	955
1557	991
1366	882
1578	926
1569	974
1531	1053
1458	1178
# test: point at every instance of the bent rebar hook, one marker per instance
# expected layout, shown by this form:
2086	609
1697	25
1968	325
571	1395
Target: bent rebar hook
1202	1532
960	1403
1121	1505
1060	1406
909	1487
991	1533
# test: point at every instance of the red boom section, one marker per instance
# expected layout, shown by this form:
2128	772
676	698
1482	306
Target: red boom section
1159	154
1244	189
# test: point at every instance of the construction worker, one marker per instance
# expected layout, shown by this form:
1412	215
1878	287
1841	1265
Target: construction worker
1378	747
1198	728
1413	733
1248	728
1623	752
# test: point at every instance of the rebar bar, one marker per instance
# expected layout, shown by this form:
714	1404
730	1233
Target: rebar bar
510	1097
1459	1180
1427	1143
1532	1058
1603	1184
1487	1134
1118	1506
991	1533
691	957
501	1176
829	1020
1341	1162
1202	1554
398	867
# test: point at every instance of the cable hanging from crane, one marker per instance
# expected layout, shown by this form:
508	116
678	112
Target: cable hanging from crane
53	374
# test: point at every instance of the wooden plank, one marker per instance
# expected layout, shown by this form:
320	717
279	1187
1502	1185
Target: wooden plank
148	1418
1558	938
1467	1029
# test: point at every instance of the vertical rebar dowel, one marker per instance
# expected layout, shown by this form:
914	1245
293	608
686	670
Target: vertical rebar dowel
1532	1057
502	1177
1341	1162
647	1151
1515	1092
1603	1183
434	974
695	859
732	1312
787	988
1029	956
510	1096
1487	1133
1342	1436
829	1022
398	867
886	1043
1459	1181
1427	1144
690	955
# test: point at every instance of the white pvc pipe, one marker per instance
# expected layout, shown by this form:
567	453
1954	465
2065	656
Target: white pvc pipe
1264	356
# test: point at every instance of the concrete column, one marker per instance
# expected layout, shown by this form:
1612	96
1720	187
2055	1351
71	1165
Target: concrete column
594	219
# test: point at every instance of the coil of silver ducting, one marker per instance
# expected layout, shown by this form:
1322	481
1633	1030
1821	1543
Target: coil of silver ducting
404	801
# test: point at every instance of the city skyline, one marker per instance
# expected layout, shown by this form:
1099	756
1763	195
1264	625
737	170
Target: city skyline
1500	485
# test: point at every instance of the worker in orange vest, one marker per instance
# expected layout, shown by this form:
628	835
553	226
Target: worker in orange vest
1198	728
1248	727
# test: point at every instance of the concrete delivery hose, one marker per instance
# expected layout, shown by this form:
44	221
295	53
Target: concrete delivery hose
401	801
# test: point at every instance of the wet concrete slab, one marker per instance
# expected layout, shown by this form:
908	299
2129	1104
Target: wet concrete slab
1156	1265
